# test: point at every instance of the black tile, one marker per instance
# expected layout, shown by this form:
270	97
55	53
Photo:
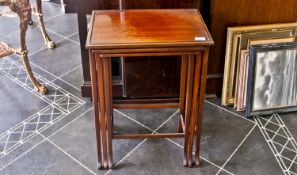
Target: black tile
64	25
217	102
74	77
75	38
159	157
69	88
290	120
67	119
17	104
37	70
34	39
59	60
254	157
224	173
78	139
221	133
151	118
20	149
50	10
45	159
8	26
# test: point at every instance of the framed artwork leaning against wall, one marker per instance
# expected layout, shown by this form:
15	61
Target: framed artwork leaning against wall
272	79
238	39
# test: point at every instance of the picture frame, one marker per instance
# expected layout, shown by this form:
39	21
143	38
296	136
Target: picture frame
240	103
272	79
269	37
232	50
242	81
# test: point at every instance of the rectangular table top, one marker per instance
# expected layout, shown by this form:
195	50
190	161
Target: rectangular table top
147	29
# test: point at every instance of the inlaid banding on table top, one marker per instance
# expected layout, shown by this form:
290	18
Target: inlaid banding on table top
147	28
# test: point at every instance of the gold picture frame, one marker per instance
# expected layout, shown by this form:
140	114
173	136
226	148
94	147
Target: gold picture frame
232	51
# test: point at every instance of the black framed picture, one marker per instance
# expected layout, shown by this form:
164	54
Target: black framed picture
272	79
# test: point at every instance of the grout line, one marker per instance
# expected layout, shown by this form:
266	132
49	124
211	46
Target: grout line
180	146
42	49
68	72
271	146
58	147
8	164
229	111
168	138
267	120
127	155
166	121
54	76
237	148
51	104
72	121
133	120
67	37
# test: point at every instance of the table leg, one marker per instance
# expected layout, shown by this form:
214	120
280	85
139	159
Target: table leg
194	108
108	100
200	105
183	81
95	104
189	88
102	104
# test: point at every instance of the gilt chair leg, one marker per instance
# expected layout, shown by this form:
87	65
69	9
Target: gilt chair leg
25	18
48	41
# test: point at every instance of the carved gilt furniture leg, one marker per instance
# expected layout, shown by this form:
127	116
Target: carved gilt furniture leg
24	14
48	41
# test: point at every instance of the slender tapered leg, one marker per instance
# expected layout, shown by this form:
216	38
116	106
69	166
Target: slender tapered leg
96	106
189	88
108	102
200	105
24	13
48	41
183	80
102	104
194	107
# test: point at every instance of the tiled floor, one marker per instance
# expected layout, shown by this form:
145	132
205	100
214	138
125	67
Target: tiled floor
54	134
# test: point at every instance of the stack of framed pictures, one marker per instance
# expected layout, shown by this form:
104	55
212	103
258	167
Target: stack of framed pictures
238	65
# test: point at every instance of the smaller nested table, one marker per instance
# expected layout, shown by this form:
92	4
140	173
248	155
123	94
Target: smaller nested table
135	33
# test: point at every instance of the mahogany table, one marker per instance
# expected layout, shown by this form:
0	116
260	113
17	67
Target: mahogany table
135	33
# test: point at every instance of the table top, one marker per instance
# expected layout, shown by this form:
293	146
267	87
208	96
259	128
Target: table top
147	29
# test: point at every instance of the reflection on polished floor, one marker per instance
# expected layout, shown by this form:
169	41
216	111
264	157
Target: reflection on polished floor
55	134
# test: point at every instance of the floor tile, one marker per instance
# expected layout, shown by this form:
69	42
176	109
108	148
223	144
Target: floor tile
50	10
17	104
221	133
8	26
64	25
55	60
223	173
34	39
75	38
159	157
151	118
217	102
67	119
45	159
81	139
254	157
290	121
69	88
74	77
20	149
